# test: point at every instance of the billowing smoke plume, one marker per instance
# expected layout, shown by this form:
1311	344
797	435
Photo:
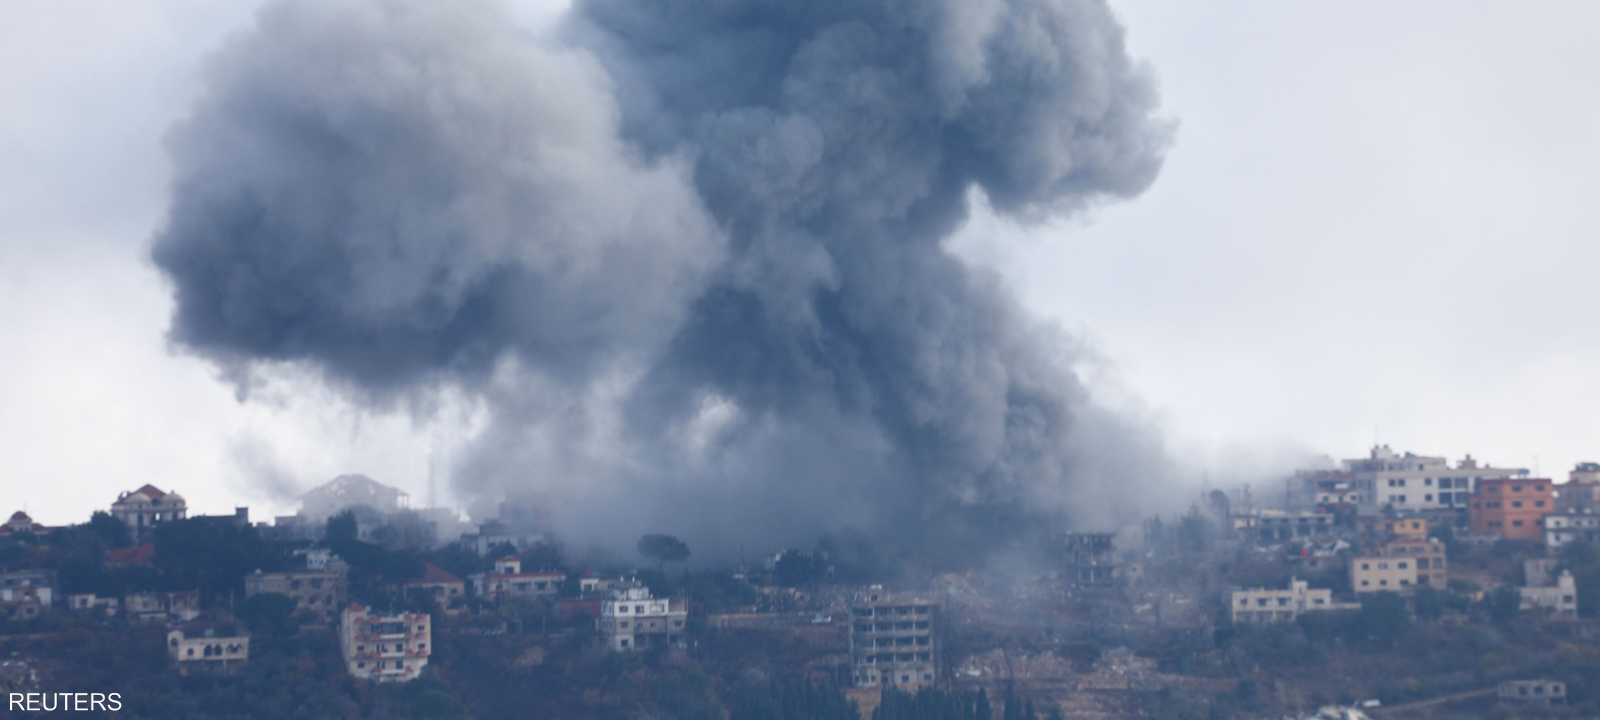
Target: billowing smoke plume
688	255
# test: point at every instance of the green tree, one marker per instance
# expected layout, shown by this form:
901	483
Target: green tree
211	556
1503	604
268	614
111	531
1383	619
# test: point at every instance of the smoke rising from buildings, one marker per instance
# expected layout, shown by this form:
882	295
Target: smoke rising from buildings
688	257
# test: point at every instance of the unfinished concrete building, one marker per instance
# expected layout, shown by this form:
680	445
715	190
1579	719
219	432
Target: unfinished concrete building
893	640
1088	559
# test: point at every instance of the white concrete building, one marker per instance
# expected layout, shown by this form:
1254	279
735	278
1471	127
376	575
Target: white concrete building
633	619
1268	605
143	509
508	581
1561	599
893	639
1569	527
26	594
162	607
385	648
208	646
92	604
1419	482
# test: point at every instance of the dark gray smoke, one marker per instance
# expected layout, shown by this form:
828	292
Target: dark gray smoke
689	255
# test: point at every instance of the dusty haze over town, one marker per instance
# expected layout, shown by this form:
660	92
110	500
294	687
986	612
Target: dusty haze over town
1300	260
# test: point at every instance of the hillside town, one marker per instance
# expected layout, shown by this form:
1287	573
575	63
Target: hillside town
1391	585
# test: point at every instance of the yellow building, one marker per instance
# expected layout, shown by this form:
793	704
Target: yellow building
1383	574
1427	554
1409	527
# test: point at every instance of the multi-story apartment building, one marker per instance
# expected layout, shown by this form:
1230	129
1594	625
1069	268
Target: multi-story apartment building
1419	482
1512	508
893	639
1271	526
509	581
1269	605
1562	528
319	593
385	647
1383	574
143	509
25	594
1327	490
1560	598
1582	489
1088	559
633	619
208	645
1427	554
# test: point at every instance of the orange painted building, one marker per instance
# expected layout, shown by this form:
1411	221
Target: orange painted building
1513	508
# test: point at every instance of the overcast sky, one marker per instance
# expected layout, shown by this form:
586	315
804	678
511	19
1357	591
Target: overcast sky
1375	225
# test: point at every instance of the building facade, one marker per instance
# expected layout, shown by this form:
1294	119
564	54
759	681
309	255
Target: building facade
26	594
1582	490
1386	479
1568	527
318	593
444	590
1560	599
1533	691
1512	508
162	607
1087	559
508	581
92	604
1383	574
893	639
385	647
1270	605
143	509
1273	526
1427	554
208	646
633	619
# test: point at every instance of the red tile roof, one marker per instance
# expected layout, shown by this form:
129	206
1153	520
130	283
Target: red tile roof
432	575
